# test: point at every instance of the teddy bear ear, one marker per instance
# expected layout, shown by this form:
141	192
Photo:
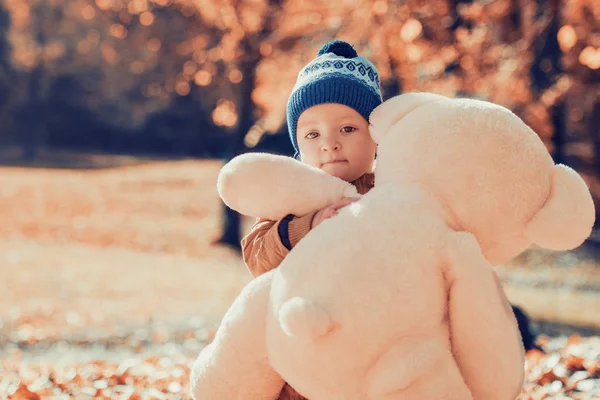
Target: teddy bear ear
272	186
394	109
566	219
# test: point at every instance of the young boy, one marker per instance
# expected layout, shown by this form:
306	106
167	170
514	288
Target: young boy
327	116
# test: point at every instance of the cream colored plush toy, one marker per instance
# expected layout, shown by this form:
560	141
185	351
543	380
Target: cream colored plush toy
395	297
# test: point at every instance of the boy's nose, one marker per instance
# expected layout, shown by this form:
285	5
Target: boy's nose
331	145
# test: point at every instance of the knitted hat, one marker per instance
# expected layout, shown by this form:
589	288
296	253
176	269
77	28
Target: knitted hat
337	75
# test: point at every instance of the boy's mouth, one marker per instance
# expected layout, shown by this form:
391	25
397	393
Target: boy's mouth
335	162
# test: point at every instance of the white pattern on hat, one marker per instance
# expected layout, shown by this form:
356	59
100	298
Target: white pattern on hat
330	63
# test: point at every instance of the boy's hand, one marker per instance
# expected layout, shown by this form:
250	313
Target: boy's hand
331	210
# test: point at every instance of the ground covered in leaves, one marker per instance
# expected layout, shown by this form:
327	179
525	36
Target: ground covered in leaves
110	285
570	371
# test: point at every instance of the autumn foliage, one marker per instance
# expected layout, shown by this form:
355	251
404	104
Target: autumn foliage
210	78
239	58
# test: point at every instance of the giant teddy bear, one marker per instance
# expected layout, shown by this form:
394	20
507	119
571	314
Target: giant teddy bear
396	297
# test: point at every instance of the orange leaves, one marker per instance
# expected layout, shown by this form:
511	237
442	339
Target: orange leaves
225	113
182	88
23	393
380	7
119	31
146	18
88	12
104	4
575	363
235	76
20	13
570	370
137	6
252	15
590	57
266	49
133	379
411	30
567	37
202	78
163	372
154	44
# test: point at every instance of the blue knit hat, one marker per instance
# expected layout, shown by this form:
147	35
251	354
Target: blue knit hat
337	75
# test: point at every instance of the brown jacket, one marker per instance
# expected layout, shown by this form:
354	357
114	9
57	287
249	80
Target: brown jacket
269	242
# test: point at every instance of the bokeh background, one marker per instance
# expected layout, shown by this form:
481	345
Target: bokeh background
117	259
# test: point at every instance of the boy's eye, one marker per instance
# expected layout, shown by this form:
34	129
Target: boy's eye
312	135
348	129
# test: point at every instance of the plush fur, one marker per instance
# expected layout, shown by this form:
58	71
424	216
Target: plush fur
395	297
271	186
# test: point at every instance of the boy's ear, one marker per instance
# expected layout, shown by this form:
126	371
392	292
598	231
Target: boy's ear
270	186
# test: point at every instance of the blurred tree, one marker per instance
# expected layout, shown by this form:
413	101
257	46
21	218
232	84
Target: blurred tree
212	78
249	27
125	61
546	69
32	110
4	52
593	128
6	71
579	49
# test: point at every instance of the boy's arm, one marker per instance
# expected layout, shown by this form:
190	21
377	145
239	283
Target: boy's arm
267	244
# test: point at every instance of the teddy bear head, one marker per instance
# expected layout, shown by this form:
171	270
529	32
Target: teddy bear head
489	172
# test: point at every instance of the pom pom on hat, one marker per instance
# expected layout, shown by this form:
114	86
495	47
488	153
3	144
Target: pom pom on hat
339	48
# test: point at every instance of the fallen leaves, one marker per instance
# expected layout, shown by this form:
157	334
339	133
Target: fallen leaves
23	393
133	378
569	369
100	272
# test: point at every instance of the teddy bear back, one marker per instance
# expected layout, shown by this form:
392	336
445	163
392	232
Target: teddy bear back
487	168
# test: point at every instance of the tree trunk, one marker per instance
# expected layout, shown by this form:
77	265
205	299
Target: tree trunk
559	138
393	86
544	71
31	116
5	65
231	219
250	46
594	123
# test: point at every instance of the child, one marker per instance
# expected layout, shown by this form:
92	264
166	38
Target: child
327	116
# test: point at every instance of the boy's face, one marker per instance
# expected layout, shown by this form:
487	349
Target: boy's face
335	138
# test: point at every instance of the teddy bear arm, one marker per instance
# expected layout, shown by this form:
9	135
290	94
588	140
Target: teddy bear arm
272	186
235	364
485	338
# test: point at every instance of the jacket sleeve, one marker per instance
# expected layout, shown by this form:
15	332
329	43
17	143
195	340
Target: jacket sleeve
268	242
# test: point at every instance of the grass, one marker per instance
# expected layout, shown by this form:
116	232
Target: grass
87	248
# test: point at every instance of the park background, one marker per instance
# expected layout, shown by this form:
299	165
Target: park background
117	258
